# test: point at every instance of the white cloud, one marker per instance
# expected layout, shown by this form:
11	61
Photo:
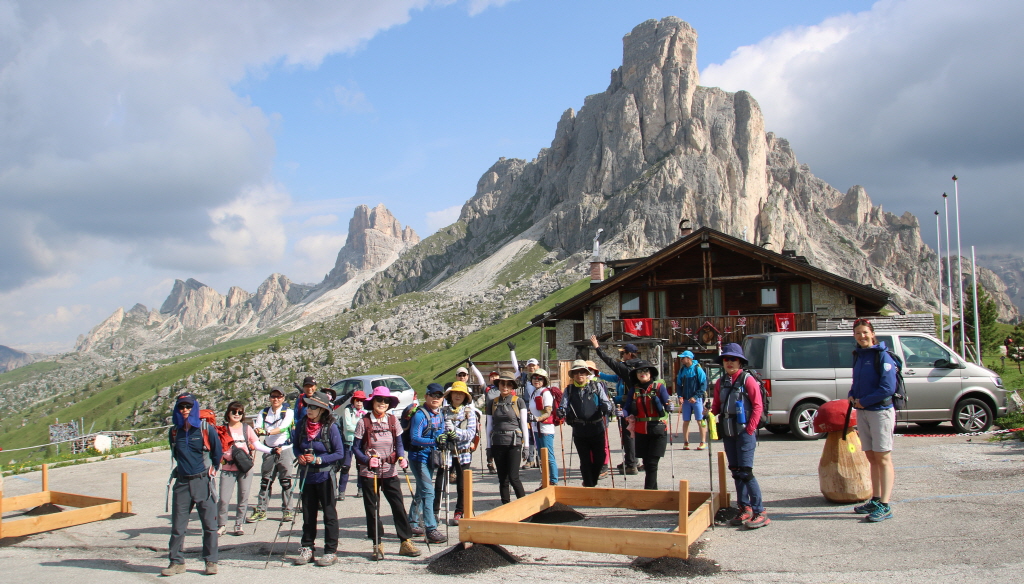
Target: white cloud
61	316
443	218
352	99
898	99
478	6
315	256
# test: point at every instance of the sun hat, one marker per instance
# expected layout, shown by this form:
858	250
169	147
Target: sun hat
507	376
459	387
593	367
381	391
541	373
731	350
579	364
643	364
686	354
320	400
358	394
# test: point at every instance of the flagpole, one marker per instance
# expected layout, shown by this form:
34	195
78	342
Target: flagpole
938	258
959	267
977	325
949	277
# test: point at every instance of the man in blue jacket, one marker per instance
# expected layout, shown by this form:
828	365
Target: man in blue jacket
425	428
196	450
691	387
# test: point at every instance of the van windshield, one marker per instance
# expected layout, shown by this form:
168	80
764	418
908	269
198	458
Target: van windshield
753	349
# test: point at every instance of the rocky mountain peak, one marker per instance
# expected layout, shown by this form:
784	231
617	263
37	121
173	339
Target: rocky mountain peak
375	239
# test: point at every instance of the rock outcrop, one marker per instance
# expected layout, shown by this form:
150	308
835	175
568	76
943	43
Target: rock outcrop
13	358
375	240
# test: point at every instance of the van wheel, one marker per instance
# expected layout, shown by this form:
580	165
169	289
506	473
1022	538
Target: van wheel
777	428
972	415
802	422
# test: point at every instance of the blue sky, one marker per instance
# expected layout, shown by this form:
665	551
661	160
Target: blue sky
225	141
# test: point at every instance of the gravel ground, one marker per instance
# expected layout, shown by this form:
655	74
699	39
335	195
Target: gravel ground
954	503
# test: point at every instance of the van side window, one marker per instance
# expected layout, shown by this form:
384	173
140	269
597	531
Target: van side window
922	352
806	353
843	347
753	348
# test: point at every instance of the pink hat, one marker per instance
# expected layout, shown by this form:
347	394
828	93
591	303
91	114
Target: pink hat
381	391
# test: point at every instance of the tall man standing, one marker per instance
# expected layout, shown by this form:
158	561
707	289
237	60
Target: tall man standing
629	357
275	422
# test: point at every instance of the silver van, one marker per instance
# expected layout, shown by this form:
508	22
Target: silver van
805	369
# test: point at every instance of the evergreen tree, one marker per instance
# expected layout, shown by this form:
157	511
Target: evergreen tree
987	312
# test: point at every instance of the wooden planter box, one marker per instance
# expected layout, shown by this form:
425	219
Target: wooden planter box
88	509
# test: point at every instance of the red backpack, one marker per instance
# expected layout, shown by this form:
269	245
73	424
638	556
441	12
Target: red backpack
556	402
207	420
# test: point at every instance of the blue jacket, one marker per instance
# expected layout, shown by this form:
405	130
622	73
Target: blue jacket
318	473
187	444
620	387
424	429
870	387
692	382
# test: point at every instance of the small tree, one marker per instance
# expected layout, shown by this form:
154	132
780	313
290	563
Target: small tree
987	313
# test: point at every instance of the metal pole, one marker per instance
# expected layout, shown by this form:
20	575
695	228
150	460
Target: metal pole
938	258
949	276
977	325
959	268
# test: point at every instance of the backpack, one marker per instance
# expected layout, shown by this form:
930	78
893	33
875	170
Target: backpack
899	396
206	419
765	397
406	422
395	434
556	402
513	403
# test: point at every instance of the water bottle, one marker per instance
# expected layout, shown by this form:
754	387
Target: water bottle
741	412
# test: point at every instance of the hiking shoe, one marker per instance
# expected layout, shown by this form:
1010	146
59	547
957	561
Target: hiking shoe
326	560
222	530
417	530
359	493
173	569
435	536
686	445
453	477
491	469
341	496
256	515
701	446
407	549
211	568
455	518
882	512
759	519
378	552
631	470
304	557
746	513
238	530
866	508
604	472
287	516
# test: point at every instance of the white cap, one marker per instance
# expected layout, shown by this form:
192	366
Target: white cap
533	362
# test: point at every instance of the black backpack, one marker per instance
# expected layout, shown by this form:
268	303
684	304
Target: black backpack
765	398
899	396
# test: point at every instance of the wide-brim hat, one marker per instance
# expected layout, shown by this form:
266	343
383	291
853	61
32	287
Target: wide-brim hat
579	364
381	391
642	364
358	395
731	350
543	373
320	400
507	376
459	387
593	367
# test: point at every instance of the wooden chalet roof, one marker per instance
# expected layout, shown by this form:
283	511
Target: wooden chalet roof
632	269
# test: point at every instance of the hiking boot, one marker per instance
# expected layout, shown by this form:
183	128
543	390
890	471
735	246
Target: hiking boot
256	515
326	560
701	446
417	530
604	471
435	536
211	568
304	557
238	530
686	445
341	495
882	512
866	508
759	519
173	569
631	470
455	518
287	516
453	477
745	514
222	530
491	469
378	552
407	549
359	493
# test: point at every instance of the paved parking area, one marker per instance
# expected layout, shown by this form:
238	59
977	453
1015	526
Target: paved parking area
956	519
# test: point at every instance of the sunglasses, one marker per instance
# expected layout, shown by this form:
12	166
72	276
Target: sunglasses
861	321
183	407
730	358
277	397
236	412
381	400
462	375
435	395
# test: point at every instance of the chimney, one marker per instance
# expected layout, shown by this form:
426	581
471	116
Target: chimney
684	227
596	265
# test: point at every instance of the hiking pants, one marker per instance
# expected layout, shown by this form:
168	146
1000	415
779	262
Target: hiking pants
507	459
628	449
317	497
548	441
591	451
443	482
740	452
391	488
421	512
282	463
233	482
188	493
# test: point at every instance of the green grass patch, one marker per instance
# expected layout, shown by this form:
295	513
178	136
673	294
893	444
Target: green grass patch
27	372
524	266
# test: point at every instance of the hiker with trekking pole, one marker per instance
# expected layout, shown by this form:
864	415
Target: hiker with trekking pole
646	406
543	406
317	446
291	525
425	430
379	453
508	433
275	423
629	355
460	422
585	407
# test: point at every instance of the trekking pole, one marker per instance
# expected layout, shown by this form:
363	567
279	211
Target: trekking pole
298	508
561	443
609	449
672	452
622	442
447	489
376	510
708	418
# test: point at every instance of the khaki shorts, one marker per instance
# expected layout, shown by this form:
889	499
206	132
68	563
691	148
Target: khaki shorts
875	428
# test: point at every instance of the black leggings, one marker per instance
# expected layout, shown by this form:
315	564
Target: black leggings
314	498
591	451
391	488
507	459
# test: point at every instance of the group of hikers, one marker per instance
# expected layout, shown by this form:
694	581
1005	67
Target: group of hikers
308	447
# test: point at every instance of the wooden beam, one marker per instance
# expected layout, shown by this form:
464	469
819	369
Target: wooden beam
699	521
638	499
545	468
125	505
60	520
26	501
582	539
46	477
467	492
723	497
684	506
74	500
683	281
522	508
1	505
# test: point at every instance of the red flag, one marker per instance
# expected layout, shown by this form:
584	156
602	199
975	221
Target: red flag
641	327
785	322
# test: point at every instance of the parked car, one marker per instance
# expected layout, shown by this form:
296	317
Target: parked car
805	369
396	383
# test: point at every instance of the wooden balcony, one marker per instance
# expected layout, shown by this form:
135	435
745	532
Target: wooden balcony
697	331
